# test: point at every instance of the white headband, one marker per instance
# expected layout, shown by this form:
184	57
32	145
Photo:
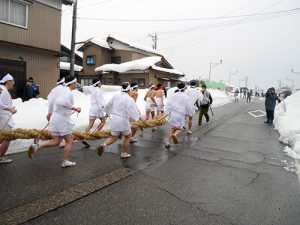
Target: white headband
71	82
95	84
126	89
135	86
152	86
193	86
61	81
181	89
6	78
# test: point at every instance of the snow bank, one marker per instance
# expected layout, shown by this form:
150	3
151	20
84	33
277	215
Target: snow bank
287	122
32	113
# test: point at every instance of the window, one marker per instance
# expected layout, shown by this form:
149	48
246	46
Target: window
90	60
116	59
14	12
86	82
140	82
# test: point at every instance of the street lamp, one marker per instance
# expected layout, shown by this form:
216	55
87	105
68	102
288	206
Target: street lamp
212	65
231	74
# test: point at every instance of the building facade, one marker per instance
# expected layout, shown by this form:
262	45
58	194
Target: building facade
30	42
101	56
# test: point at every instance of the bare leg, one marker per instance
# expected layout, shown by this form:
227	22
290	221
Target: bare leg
68	146
3	147
133	131
126	143
177	131
171	133
190	122
157	113
101	125
147	115
50	143
91	124
153	115
111	140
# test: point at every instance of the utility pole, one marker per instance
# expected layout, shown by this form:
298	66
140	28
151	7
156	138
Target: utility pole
154	39
72	57
212	65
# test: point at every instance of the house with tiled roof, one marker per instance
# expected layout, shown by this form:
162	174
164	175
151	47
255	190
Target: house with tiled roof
115	61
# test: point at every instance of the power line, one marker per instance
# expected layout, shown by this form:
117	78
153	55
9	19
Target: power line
191	19
238	22
113	6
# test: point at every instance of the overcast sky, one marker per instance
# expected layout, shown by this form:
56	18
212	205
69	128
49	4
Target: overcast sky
262	49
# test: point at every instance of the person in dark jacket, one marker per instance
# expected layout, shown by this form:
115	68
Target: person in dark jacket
204	104
270	104
27	93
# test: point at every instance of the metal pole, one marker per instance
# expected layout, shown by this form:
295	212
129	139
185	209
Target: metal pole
209	72
72	56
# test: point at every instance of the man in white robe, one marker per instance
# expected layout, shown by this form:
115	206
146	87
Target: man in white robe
178	107
97	103
194	96
54	93
121	108
60	124
6	111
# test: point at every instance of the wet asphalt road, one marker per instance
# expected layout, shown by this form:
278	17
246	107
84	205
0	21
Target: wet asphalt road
228	171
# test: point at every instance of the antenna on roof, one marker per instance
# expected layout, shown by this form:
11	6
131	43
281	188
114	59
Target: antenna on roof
154	39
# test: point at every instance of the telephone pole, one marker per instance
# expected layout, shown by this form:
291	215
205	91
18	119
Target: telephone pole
72	56
154	39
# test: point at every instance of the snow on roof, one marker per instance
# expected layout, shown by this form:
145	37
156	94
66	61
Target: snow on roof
66	66
139	64
135	45
100	42
167	70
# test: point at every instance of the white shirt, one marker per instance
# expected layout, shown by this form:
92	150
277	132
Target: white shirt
122	108
97	102
5	102
54	93
179	102
194	95
64	102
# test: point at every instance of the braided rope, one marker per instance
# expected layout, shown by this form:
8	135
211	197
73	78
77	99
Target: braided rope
10	135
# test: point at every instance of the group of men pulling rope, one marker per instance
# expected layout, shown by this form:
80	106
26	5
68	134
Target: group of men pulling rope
121	108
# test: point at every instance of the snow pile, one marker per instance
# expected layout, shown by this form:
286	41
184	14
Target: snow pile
287	122
32	114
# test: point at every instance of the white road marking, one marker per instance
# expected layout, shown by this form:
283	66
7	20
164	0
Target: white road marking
257	113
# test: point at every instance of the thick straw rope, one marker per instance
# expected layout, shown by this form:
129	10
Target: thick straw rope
10	135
